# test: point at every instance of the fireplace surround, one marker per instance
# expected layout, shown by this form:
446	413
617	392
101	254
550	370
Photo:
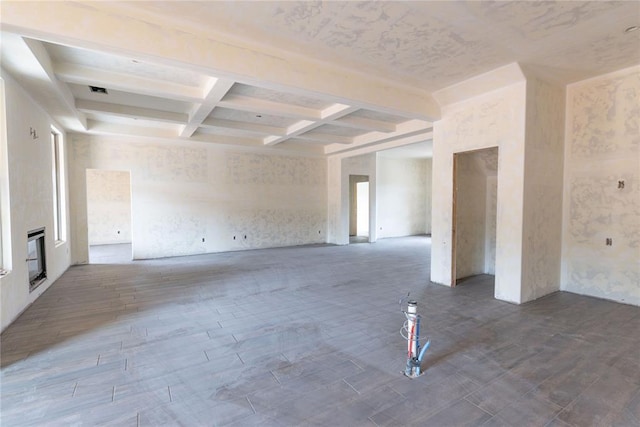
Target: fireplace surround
36	259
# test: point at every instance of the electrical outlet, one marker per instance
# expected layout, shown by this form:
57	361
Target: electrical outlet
203	240
621	184
234	237
245	237
609	241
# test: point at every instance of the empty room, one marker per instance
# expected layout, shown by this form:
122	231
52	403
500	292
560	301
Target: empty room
320	213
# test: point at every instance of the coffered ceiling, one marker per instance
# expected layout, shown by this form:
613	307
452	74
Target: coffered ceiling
318	77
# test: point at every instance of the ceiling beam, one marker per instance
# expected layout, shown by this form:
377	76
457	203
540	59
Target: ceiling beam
215	91
128	111
327	115
42	56
325	138
404	130
398	142
72	73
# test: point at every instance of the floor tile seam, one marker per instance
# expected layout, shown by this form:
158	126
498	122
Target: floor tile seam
545	400
466	398
426	418
579	395
413	420
507	373
551	421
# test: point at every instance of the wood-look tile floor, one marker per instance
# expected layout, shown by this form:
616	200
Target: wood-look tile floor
310	336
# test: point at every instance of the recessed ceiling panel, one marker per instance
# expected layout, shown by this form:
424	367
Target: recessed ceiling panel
280	97
375	115
249	117
223	131
337	131
129	99
300	141
132	121
121	64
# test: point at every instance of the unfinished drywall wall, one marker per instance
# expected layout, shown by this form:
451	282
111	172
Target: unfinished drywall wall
494	119
30	199
404	196
194	198
334	201
491	224
603	149
108	207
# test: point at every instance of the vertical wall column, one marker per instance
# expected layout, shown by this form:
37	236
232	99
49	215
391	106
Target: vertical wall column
543	183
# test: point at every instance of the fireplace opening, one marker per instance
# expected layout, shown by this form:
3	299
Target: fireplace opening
36	261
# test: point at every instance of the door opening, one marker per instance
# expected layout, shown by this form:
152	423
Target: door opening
358	208
475	184
362	209
109	230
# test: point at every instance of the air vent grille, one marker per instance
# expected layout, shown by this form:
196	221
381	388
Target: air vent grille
98	89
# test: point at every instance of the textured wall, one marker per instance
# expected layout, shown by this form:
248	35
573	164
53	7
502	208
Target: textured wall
334	199
542	222
603	147
491	224
403	196
495	119
31	200
195	198
108	206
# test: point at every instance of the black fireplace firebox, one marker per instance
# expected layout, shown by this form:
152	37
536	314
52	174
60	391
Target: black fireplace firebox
36	261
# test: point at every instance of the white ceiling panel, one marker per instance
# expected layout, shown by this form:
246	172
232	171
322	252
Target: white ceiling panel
279	96
125	98
123	64
250	117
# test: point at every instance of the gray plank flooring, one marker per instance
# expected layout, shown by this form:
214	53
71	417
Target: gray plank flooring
310	336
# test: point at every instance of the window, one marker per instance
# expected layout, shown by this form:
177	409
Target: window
5	213
57	156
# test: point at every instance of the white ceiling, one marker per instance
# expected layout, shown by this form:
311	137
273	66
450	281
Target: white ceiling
353	71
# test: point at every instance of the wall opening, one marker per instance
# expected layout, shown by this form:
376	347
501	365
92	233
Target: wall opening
359	212
109	223
474	213
362	209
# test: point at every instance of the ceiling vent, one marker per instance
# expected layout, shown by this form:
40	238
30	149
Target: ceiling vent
97	89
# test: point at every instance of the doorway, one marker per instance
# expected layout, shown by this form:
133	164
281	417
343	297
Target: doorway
475	184
359	208
109	230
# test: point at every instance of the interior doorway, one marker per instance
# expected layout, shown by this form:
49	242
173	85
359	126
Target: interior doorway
359	208
475	190
109	224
